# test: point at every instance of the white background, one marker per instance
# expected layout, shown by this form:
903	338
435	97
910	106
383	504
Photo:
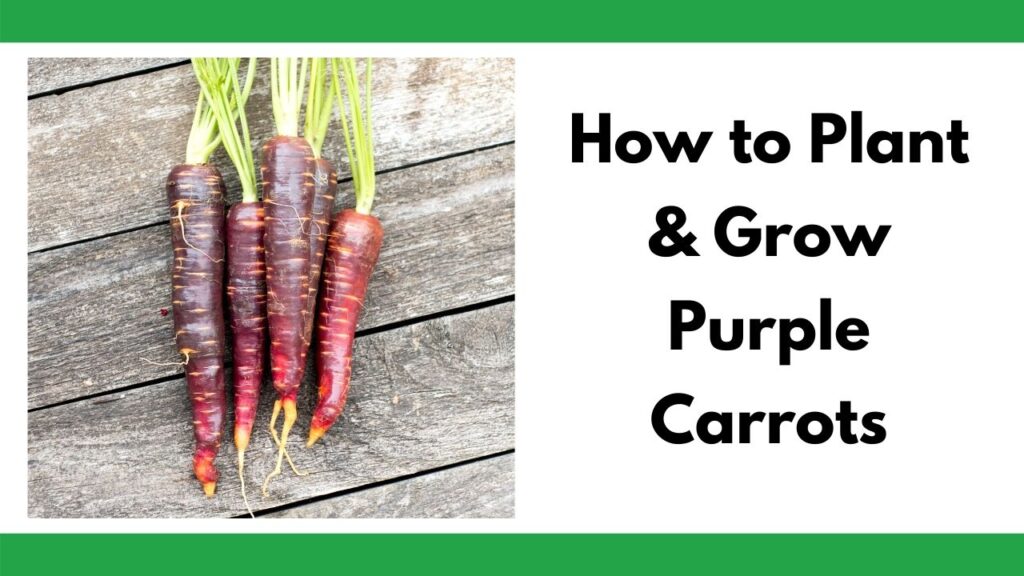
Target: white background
942	299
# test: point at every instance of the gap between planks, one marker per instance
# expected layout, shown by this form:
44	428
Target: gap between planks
429	395
449	243
340	182
426	107
378	484
113	78
100	396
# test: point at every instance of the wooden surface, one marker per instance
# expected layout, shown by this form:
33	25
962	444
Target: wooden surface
60	74
448	243
429	427
99	156
473	490
426	395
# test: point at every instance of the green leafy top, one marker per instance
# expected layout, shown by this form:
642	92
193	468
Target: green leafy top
203	139
218	79
287	78
318	105
359	131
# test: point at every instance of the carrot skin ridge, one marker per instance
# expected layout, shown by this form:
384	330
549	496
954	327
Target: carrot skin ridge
195	195
247	306
325	189
352	250
287	174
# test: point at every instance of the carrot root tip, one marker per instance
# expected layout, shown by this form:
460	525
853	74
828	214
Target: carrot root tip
290	416
205	471
241	477
315	433
241	440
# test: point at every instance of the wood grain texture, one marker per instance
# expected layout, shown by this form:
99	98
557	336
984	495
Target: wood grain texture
94	320
98	156
46	74
481	489
423	396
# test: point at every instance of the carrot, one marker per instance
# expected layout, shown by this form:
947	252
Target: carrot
287	172
247	298
195	195
246	284
325	179
352	250
323	212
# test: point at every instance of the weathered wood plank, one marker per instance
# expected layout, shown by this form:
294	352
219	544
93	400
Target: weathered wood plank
94	308
45	74
483	489
98	157
423	396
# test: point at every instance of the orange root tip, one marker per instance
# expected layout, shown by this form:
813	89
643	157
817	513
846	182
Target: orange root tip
206	472
315	433
288	405
241	440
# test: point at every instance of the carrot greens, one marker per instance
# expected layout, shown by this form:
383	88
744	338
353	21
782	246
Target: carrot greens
358	131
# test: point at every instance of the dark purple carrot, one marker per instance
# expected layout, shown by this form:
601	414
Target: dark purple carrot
246	284
287	172
195	194
326	187
195	197
247	298
318	116
352	250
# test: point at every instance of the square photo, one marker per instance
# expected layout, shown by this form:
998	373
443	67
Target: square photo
278	287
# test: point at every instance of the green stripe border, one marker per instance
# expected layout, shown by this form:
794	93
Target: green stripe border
519	21
452	554
523	21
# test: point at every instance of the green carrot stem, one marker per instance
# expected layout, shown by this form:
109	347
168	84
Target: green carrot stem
203	138
287	80
318	105
218	79
358	132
